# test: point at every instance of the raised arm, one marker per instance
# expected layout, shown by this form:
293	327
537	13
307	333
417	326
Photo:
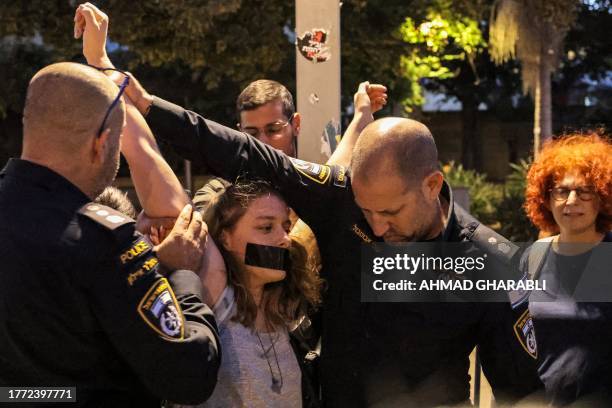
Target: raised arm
158	189
368	100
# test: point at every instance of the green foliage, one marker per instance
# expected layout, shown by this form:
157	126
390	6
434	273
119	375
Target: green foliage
484	196
442	39
498	205
513	221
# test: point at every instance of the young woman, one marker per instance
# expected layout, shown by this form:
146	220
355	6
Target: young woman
268	291
569	189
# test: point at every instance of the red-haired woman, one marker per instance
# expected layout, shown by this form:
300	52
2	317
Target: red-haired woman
569	196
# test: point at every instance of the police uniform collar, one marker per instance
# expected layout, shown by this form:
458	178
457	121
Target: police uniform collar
42	176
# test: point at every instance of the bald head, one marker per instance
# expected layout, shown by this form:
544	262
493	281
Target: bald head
65	106
394	146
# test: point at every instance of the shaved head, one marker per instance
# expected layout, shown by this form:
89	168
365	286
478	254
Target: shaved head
396	181
394	146
64	108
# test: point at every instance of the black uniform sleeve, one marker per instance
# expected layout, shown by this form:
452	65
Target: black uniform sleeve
229	154
508	351
158	325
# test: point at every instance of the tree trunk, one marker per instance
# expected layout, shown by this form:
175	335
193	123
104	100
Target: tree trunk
471	145
542	117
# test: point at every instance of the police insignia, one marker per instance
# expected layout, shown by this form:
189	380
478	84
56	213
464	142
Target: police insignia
340	176
525	333
161	311
315	172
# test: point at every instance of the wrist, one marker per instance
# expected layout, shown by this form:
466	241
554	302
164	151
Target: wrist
363	118
100	61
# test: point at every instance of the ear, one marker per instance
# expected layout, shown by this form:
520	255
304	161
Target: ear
296	122
432	185
99	146
226	240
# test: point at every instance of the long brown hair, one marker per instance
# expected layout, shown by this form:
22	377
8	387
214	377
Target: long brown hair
283	301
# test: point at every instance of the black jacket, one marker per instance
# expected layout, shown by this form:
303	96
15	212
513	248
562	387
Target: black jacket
371	352
82	302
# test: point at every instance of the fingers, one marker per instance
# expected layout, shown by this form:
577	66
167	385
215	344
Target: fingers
183	220
377	88
89	16
363	87
154	236
79	23
195	226
378	96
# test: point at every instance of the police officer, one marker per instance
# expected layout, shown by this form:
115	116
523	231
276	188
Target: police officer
380	353
86	301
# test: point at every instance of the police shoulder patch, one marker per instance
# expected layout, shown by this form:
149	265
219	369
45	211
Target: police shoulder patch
315	172
339	176
525	333
160	311
105	216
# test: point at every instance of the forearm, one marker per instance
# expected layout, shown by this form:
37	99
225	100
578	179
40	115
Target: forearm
343	153
158	189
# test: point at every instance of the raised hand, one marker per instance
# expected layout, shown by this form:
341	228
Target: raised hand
92	24
370	98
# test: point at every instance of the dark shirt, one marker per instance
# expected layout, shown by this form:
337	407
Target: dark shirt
82	302
371	352
574	338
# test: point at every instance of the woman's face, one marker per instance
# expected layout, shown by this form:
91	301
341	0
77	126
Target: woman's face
265	222
574	204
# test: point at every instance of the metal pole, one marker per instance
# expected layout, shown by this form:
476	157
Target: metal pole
318	77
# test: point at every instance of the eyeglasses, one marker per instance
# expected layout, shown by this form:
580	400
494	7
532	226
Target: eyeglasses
269	130
124	84
563	193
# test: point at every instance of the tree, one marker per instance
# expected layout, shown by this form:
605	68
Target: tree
532	31
448	55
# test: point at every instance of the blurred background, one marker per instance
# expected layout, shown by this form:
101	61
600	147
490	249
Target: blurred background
472	70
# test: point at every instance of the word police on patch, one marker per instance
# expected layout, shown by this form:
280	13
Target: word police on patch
161	311
136	249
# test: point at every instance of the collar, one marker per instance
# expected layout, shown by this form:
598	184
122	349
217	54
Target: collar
43	177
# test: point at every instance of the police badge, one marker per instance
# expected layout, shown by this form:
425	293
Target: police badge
161	311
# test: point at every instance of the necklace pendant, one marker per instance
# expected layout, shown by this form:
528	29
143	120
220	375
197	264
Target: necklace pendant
276	385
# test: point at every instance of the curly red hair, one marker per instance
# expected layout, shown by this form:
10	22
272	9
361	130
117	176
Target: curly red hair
590	156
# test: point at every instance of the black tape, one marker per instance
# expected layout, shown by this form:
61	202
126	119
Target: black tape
265	256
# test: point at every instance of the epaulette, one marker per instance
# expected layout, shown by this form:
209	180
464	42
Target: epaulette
486	239
494	244
107	217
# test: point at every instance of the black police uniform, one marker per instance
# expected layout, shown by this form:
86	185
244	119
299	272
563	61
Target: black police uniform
377	352
82	302
574	332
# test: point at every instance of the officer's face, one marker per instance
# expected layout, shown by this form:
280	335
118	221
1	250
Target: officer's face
397	212
574	204
265	222
269	124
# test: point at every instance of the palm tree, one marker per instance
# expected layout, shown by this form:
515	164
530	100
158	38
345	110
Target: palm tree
532	31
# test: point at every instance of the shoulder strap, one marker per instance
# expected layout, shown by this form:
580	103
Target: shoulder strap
536	256
107	217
